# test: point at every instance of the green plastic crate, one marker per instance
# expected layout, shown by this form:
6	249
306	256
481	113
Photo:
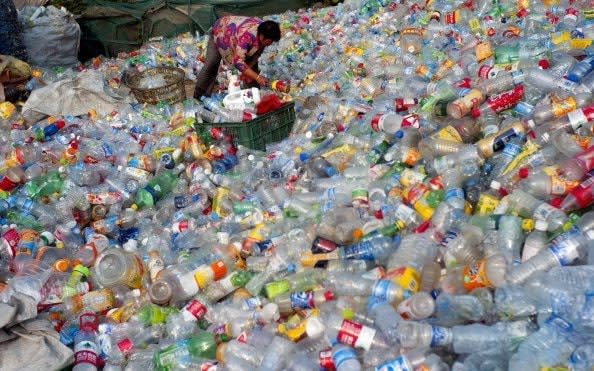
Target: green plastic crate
255	134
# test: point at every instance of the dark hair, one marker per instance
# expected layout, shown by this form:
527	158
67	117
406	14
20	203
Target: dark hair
270	30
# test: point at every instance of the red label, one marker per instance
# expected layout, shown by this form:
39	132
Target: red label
349	332
326	360
125	345
375	121
411	120
196	309
484	71
450	18
11	239
86	356
506	100
242	338
6	184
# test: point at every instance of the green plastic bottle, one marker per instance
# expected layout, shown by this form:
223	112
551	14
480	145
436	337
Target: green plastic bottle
159	187
44	185
199	347
152	314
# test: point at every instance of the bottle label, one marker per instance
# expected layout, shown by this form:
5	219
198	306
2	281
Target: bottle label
560	187
481	50
302	300
252	303
564	106
356	335
406	277
326	361
362	250
524	109
565	247
484	71
10	240
448	133
399	364
475	276
86	352
448	236
194	310
377	121
125	346
410	177
155	265
380	290
440	336
411	157
343	355
544	211
404	213
577	118
486	204
453	193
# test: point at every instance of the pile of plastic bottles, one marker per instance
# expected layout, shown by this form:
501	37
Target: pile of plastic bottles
429	212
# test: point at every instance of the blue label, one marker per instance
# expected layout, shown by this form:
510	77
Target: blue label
449	236
454	193
524	109
511	150
440	336
362	250
343	355
107	151
302	300
565	246
263	246
398	364
380	290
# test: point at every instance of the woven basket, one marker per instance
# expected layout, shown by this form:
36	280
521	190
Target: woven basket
174	91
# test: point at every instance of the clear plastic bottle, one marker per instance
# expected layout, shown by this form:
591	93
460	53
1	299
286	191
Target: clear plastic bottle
86	349
535	241
564	249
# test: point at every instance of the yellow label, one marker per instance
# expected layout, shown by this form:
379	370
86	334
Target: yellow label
564	106
583	142
560	186
220	194
406	277
293	332
6	109
161	151
475	25
411	177
177	132
528	149
483	51
448	133
550	170
424	210
486	204
579	43
202	278
345	149
560	37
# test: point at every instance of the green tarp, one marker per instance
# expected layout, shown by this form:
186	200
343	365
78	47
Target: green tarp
110	27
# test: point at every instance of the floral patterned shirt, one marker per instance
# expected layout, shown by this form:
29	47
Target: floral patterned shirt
236	38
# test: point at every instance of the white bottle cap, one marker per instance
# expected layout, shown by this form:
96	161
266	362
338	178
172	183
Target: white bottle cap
541	225
495	185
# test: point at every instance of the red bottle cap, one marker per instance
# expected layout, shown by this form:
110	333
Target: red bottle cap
524	172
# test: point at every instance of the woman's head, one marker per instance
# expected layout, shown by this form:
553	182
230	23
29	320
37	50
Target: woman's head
268	32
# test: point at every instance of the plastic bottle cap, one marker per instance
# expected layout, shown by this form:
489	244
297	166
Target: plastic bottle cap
399	134
131	245
556	202
357	234
314	328
523	172
495	185
303	156
82	270
543	64
541	225
475	112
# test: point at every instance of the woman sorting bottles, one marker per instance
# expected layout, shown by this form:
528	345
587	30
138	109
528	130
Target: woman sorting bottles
239	42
